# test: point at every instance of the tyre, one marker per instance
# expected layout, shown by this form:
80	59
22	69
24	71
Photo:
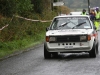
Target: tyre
47	55
55	54
97	51
92	53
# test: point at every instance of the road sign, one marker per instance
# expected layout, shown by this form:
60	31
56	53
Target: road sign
58	3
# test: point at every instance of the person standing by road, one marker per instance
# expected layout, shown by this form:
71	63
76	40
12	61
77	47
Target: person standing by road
97	19
92	15
83	12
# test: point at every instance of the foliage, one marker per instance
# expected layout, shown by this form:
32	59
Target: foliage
23	6
38	6
10	7
64	10
41	5
21	34
11	47
7	7
20	28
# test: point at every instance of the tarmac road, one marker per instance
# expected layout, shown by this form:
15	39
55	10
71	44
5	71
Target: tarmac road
33	63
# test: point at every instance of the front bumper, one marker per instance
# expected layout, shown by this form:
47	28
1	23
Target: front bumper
68	47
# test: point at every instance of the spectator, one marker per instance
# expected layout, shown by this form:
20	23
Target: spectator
97	19
83	12
92	14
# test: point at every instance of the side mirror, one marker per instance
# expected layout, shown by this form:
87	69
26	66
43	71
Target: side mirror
47	28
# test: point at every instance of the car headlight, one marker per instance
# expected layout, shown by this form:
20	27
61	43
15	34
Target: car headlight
82	38
52	39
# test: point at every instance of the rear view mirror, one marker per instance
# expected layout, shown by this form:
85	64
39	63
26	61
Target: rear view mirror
47	28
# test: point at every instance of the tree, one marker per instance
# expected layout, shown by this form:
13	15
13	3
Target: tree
10	7
38	6
23	6
7	8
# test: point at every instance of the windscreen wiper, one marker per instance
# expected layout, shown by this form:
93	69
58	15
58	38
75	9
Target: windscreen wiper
64	24
78	25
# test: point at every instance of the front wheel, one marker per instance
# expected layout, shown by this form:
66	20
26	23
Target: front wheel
92	53
97	50
47	55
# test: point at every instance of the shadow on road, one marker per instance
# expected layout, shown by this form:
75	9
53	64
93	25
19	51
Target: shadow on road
71	56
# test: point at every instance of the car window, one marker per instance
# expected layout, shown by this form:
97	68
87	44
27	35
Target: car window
70	22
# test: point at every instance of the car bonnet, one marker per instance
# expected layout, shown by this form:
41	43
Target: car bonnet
69	32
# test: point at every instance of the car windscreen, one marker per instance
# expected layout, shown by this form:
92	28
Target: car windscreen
70	23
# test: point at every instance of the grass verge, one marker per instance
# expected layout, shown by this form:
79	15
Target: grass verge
9	48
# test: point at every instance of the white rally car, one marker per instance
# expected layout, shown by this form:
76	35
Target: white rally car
71	34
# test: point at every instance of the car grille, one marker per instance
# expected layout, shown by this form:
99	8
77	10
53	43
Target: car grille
71	38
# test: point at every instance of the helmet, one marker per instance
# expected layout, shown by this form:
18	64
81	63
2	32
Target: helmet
84	10
97	8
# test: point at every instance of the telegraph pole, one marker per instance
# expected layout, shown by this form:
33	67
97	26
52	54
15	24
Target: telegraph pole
89	6
52	5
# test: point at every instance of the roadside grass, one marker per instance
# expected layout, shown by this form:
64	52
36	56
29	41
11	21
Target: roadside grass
20	35
8	48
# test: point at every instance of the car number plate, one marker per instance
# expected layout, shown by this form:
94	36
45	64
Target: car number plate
68	47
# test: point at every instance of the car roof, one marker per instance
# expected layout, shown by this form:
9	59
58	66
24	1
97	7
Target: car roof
72	16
